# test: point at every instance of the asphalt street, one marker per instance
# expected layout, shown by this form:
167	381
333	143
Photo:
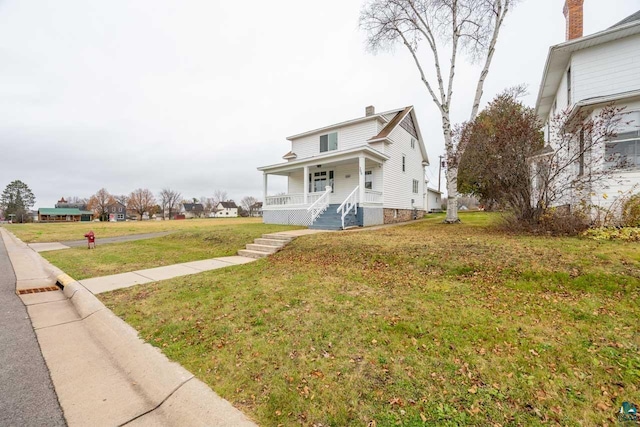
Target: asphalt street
27	396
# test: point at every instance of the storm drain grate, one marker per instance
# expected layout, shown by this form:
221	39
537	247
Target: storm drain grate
38	290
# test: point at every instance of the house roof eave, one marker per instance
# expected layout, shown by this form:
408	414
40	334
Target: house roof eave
559	56
325	158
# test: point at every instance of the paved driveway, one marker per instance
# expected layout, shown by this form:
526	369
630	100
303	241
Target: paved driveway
27	397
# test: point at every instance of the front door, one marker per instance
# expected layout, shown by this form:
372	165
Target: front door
319	180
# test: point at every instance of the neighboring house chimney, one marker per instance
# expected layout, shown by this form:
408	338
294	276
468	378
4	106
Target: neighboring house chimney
369	111
573	14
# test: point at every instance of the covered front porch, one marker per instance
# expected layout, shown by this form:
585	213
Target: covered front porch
342	180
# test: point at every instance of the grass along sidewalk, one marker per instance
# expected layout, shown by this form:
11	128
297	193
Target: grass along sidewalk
422	324
181	246
47	232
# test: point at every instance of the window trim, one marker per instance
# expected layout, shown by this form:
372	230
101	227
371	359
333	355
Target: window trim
413	143
415	186
404	163
370	174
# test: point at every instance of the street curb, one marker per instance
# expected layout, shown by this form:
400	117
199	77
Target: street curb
191	402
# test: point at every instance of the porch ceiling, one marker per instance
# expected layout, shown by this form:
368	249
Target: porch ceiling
329	159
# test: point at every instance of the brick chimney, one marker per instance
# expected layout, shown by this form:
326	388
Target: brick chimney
369	111
573	14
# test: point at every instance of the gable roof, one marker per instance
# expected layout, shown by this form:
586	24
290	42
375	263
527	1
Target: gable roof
631	18
560	55
193	207
63	211
378	116
389	127
229	205
399	119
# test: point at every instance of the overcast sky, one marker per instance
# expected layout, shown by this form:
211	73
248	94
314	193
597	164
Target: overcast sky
196	95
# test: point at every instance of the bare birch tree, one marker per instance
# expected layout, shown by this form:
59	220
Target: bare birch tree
426	28
141	201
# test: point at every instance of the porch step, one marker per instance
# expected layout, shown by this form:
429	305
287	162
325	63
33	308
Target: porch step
263	248
276	236
332	220
270	242
252	254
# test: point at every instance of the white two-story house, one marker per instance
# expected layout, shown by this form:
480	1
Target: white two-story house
581	76
361	172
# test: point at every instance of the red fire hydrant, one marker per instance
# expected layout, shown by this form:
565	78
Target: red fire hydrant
91	240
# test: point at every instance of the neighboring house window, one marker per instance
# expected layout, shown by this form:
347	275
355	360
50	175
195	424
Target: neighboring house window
413	143
623	152
368	180
120	216
319	180
415	186
113	209
119	209
329	142
569	86
404	163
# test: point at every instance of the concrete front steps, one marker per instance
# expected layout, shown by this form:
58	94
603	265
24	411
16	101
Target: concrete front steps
265	246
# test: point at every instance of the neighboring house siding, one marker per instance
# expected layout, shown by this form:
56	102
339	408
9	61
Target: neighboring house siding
624	182
351	136
398	190
607	69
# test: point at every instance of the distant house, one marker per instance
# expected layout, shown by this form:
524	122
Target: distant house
63	215
117	212
255	209
225	210
62	203
192	210
432	200
582	75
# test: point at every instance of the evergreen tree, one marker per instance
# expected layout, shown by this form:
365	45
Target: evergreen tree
16	200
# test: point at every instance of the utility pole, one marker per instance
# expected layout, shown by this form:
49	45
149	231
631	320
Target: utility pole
439	171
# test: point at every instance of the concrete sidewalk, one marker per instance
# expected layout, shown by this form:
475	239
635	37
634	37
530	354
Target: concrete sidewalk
103	373
98	285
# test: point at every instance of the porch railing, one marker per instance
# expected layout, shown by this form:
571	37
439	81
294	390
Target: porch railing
371	196
351	202
291	199
320	205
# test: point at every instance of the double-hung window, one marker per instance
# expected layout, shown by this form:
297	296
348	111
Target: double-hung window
404	163
415	186
368	180
329	142
623	152
413	143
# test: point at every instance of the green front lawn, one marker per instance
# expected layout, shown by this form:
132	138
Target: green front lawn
421	324
181	246
48	232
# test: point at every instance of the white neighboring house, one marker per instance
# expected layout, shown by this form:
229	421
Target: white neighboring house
225	210
432	200
191	210
364	171
584	74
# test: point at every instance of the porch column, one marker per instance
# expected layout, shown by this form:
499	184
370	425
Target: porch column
361	179
306	184
264	178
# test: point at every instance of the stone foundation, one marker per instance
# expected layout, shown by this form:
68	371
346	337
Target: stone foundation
392	216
